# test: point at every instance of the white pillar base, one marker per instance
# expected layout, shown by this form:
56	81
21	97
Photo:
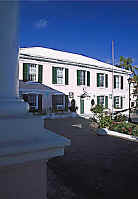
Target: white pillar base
25	147
13	106
24	181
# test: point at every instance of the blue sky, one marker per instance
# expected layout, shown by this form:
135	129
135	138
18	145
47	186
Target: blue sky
83	27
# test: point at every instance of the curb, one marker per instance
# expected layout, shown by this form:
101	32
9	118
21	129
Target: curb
121	135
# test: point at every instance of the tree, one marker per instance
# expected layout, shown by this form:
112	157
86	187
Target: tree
126	63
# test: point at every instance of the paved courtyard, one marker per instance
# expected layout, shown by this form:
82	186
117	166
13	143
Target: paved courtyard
95	166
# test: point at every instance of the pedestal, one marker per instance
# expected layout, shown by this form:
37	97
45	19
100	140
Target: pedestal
25	147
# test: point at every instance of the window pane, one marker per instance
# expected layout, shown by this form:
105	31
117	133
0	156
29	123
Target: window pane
101	100
117	81
32	72
82	77
101	80
59	99
59	75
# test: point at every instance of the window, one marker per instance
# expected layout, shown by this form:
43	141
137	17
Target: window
59	99
32	100
102	100
57	102
102	80
80	77
32	72
88	78
58	76
118	81
118	102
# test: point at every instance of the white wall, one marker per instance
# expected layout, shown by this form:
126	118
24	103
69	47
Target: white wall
92	90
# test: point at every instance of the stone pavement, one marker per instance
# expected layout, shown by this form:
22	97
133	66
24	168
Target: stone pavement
95	166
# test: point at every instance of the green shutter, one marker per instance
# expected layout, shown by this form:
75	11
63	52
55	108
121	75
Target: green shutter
25	72
114	102
121	82
114	81
54	75
66	76
121	98
98	100
78	77
84	77
88	78
40	103
98	80
40	73
106	80
106	101
66	102
81	106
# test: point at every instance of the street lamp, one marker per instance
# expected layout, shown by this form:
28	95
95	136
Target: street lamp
129	83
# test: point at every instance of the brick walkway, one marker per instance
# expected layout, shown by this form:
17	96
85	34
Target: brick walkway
95	166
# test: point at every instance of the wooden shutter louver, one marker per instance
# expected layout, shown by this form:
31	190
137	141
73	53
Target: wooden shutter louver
98	100
98	80
78	77
25	72
114	81
88	78
54	75
121	82
106	80
66	76
106	101
40	73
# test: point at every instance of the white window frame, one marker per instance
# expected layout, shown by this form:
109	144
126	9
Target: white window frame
117	77
60	75
82	77
102	99
32	72
118	105
34	100
101	80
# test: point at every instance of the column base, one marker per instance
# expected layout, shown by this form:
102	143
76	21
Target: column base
13	107
24	181
25	147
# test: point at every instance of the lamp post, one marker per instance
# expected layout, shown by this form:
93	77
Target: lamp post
129	83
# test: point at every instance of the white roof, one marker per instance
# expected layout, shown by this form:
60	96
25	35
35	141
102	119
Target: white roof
65	56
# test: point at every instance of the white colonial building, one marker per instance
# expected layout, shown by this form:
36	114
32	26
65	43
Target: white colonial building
71	76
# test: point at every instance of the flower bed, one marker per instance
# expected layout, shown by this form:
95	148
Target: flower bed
118	123
124	127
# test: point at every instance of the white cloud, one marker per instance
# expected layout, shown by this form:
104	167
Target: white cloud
42	23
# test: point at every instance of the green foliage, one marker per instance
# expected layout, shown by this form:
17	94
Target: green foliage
120	118
123	127
97	109
101	118
127	64
105	121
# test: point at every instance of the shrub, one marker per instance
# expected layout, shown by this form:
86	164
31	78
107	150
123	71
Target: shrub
120	118
123	127
97	109
105	121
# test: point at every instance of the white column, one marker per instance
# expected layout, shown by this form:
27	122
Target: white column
25	146
9	103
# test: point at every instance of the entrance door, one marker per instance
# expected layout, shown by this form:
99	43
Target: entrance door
81	106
